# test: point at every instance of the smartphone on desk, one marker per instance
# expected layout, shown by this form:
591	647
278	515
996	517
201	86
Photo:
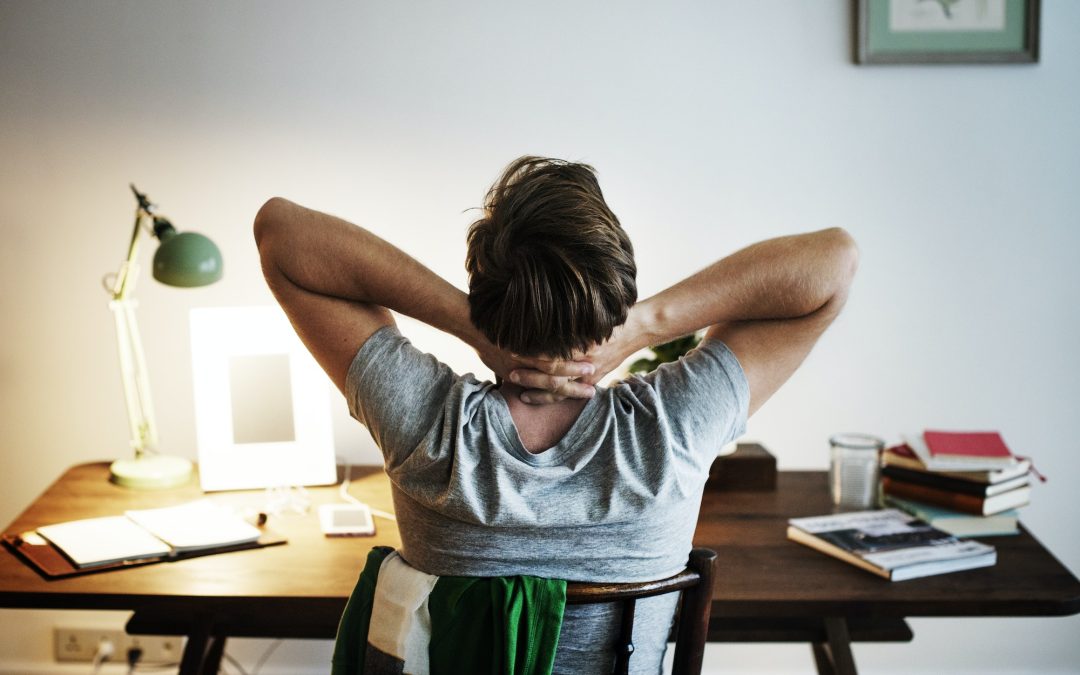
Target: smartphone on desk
346	520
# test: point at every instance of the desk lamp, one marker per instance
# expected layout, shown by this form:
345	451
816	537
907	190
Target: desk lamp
183	259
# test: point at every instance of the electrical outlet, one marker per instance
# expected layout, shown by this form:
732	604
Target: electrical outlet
80	644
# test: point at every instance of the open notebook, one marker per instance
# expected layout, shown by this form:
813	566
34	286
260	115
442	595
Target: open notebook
137	537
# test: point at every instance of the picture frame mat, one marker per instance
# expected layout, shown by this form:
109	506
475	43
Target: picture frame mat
217	335
875	43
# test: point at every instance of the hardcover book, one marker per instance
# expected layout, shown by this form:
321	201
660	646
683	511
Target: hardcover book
957	501
943	481
958	523
945	461
982	444
903	456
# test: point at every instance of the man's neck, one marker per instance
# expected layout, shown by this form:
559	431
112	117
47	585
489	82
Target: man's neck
540	426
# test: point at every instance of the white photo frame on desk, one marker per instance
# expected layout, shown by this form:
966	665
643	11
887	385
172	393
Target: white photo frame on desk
292	444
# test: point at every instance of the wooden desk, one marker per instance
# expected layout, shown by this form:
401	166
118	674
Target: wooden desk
767	588
770	589
295	591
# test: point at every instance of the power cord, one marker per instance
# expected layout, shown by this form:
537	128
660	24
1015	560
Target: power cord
157	667
134	655
343	492
266	656
233	662
105	650
287	498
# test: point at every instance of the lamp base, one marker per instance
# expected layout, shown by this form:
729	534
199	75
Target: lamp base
150	472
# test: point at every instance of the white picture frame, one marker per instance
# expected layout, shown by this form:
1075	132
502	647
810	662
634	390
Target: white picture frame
220	334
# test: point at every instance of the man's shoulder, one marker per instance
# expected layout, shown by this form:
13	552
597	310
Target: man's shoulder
705	382
389	354
399	391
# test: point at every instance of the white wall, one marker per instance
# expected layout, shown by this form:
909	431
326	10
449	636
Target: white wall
712	124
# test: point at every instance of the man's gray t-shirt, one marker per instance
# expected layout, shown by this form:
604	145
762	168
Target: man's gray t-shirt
616	499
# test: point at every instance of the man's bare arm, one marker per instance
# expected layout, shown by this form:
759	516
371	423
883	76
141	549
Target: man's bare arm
768	302
782	278
336	281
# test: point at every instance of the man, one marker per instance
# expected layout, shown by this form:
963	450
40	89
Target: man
543	473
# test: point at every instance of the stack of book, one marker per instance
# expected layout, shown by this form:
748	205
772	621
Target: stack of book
966	484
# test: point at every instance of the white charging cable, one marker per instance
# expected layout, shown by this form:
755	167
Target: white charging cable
343	492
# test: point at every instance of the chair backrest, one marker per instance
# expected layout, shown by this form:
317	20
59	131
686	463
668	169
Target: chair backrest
696	584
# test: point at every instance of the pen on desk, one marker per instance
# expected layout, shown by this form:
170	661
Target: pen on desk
256	518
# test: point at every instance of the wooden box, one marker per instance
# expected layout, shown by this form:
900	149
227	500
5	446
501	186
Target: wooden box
750	467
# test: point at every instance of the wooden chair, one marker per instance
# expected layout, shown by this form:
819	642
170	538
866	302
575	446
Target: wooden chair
696	584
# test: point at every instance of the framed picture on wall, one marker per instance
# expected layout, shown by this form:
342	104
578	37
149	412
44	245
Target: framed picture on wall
946	31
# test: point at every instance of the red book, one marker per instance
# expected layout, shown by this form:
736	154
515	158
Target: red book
902	456
986	444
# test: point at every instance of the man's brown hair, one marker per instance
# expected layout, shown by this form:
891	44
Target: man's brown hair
550	268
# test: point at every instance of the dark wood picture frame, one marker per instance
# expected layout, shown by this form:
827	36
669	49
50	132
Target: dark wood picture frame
867	25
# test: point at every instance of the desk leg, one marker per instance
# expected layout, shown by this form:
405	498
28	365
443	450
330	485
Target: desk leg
202	653
834	657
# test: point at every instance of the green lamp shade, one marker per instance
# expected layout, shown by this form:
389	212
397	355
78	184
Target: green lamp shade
187	259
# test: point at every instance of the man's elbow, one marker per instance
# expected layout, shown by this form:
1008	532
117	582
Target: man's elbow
269	218
268	222
844	254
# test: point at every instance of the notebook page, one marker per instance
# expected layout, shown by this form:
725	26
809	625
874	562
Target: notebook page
98	541
196	525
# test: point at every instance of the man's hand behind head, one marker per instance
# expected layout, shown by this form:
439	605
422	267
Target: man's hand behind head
551	380
545	380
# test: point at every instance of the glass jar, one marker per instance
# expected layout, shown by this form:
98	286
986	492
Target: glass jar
854	467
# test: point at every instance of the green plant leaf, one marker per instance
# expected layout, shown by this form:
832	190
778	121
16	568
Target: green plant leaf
665	353
644	366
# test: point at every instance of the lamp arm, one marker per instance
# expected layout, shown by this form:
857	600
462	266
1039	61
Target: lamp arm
128	269
140	407
121	286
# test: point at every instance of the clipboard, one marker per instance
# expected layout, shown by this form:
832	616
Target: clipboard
51	563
